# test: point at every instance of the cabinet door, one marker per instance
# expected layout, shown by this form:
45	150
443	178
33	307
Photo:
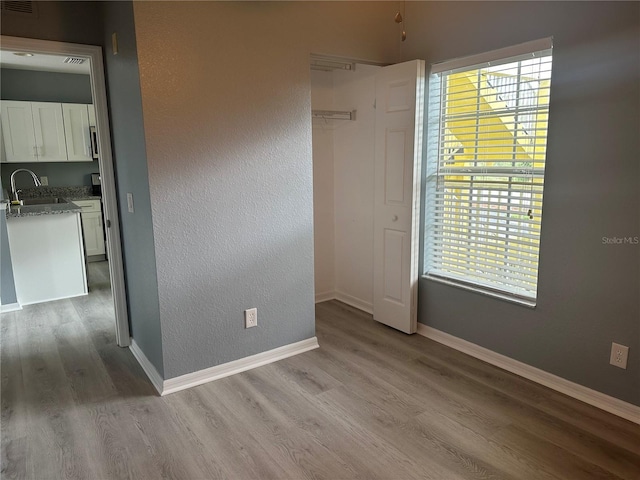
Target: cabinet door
93	233
91	109
49	132
76	130
18	132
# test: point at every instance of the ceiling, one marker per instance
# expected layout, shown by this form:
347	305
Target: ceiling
41	62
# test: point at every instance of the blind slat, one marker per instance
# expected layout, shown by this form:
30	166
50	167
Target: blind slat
526	262
509	290
531	49
488	276
449	234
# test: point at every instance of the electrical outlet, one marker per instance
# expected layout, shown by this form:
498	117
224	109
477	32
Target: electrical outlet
619	355
44	181
251	318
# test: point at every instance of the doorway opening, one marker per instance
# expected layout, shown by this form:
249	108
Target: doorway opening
343	182
55	124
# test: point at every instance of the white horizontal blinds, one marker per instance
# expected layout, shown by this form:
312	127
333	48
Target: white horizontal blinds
486	171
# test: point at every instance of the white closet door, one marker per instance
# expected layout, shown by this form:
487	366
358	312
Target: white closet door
49	131
76	130
17	131
398	151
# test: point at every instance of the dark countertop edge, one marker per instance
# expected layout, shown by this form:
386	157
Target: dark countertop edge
82	197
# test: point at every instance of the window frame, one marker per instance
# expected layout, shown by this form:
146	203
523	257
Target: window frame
434	127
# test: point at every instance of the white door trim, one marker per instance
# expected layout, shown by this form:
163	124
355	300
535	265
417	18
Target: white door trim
109	199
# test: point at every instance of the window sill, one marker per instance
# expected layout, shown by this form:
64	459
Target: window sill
489	293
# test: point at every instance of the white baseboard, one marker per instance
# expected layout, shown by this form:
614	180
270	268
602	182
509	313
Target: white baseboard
354	302
345	298
147	366
592	397
231	368
325	296
10	307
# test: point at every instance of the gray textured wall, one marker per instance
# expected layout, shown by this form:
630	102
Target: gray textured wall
588	294
127	132
75	22
92	23
221	249
33	86
226	101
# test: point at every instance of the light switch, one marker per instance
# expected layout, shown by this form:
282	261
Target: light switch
114	42
130	202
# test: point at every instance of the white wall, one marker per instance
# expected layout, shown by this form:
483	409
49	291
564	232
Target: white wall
323	211
353	152
344	263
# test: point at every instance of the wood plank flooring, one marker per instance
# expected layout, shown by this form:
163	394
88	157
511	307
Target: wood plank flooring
370	403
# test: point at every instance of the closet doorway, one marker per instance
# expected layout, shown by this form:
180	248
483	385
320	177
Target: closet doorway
367	146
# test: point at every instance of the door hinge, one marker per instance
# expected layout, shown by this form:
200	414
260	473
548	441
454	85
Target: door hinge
108	223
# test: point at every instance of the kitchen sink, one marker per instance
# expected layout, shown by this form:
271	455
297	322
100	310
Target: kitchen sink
43	201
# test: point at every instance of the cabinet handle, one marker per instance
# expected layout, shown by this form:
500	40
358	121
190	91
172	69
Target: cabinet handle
93	137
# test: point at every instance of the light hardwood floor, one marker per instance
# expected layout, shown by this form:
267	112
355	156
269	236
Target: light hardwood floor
369	403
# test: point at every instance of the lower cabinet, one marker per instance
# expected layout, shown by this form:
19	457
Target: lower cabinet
92	227
47	257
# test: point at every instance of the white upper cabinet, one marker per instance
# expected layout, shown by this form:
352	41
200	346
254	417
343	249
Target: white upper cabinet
76	130
49	132
18	132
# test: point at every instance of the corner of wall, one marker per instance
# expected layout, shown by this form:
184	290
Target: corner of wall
130	162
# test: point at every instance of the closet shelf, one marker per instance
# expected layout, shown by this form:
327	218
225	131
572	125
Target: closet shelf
333	114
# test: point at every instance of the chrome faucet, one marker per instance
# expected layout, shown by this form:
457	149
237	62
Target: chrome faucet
15	192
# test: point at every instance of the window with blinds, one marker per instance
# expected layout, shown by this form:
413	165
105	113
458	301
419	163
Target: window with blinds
487	138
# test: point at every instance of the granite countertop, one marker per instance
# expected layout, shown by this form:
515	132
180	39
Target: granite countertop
36	210
68	193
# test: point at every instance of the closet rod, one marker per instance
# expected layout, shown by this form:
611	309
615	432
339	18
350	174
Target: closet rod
333	114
